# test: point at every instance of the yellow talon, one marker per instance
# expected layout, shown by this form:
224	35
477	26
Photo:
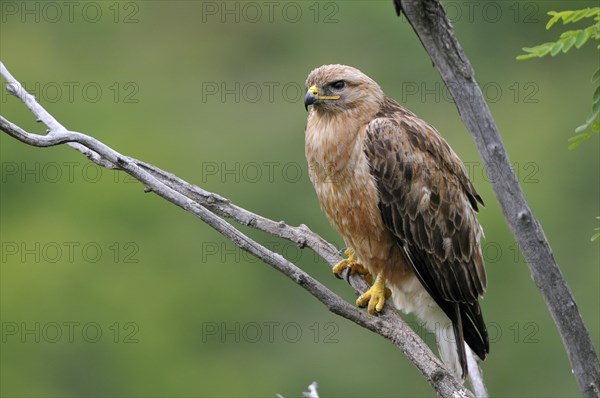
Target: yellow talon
374	297
355	267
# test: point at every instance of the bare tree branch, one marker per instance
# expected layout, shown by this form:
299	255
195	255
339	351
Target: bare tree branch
476	376
429	21
208	207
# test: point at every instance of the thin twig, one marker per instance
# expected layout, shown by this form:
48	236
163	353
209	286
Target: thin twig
206	205
476	376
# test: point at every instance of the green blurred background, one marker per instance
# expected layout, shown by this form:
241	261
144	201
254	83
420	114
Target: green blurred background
107	291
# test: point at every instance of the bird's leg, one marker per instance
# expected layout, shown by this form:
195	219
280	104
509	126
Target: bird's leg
353	266
375	297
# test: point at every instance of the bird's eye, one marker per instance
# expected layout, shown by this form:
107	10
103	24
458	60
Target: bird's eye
338	84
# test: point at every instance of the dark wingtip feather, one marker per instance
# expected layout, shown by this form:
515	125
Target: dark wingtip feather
475	331
460	341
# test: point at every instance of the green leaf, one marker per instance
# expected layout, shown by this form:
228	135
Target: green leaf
577	140
596	126
570	17
568	33
556	47
580	14
545	49
530	49
582	36
590	119
523	57
537	51
553	20
588	13
596	97
568	44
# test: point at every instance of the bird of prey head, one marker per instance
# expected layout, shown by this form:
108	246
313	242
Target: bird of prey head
332	88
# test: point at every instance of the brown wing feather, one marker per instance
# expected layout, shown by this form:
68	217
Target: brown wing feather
429	204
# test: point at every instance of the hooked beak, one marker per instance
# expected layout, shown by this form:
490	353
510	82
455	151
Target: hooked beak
311	97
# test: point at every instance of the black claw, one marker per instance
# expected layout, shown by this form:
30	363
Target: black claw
346	274
341	251
338	276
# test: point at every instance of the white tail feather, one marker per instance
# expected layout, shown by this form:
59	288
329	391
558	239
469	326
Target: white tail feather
413	298
446	344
